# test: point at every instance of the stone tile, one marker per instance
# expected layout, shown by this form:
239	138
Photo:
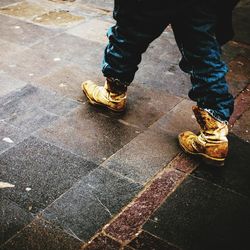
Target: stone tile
41	235
236	173
149	152
8	49
8	84
66	81
103	242
8	2
58	18
23	33
239	74
23	9
200	215
242	127
40	172
103	4
13	219
89	134
84	53
29	68
31	108
146	241
159	68
241	104
129	222
145	106
184	162
241	24
91	203
93	30
10	136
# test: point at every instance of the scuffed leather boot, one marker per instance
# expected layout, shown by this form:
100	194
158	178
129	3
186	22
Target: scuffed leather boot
211	143
112	95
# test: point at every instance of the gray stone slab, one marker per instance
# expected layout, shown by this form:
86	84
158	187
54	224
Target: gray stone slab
10	136
21	32
91	203
92	135
86	54
31	108
159	67
42	235
93	30
8	2
66	81
103	4
200	215
8	49
242	127
236	173
241	24
8	84
152	150
13	219
40	172
31	64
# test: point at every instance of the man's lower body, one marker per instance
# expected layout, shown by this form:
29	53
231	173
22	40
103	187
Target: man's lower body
138	24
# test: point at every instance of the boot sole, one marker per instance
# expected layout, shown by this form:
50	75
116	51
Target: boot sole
206	158
100	104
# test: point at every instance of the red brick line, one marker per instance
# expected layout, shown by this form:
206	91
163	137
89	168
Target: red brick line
126	225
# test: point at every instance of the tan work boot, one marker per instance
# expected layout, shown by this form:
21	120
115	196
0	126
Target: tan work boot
211	143
105	95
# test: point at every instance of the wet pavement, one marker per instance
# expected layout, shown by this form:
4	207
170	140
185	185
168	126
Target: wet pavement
79	177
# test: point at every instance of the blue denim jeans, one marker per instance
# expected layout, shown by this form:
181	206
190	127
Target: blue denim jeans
139	22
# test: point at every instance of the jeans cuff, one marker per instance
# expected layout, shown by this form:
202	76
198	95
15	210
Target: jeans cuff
215	115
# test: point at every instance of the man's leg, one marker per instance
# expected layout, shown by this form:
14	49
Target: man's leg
195	36
137	26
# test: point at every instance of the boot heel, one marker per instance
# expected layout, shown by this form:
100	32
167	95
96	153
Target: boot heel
213	162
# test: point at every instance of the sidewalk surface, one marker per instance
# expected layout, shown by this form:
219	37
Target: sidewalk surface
76	177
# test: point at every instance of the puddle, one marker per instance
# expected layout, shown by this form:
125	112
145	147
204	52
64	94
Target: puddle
23	9
57	18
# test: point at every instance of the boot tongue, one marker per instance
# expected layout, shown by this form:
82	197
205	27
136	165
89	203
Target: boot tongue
205	120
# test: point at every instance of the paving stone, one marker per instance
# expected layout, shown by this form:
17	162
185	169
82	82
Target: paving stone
41	235
21	32
146	241
91	203
23	9
93	30
159	68
236	173
10	136
40	172
87	54
89	134
241	24
239	74
152	150
241	105
128	223
13	219
103	242
8	83
104	4
200	215
8	2
8	49
31	108
242	127
29	68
